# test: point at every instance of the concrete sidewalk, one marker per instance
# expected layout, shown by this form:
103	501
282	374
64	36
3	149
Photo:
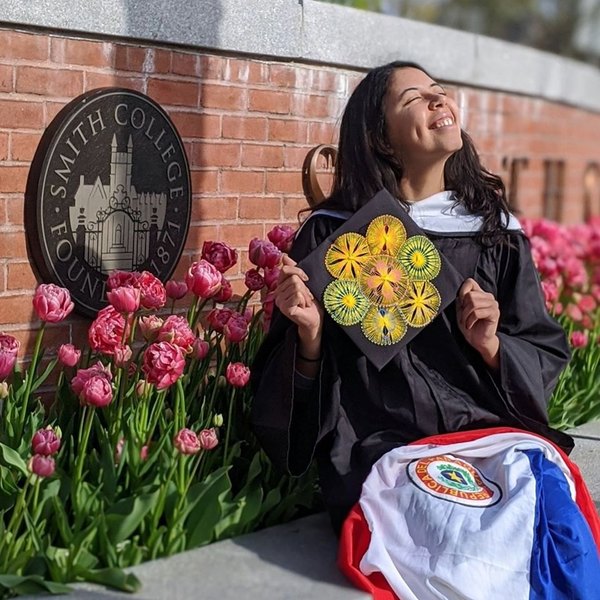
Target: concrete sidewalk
295	561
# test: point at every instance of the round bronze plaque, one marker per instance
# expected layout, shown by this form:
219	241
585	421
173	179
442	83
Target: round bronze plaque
109	188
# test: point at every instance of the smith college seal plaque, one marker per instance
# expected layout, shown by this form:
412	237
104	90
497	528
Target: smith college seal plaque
109	188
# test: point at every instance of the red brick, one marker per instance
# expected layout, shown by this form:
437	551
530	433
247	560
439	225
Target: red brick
49	82
158	61
204	181
184	63
3	146
294	157
260	208
207	154
198	234
23	46
311	106
222	96
82	52
245	71
212	67
292	206
197	124
322	133
6	78
17	309
242	182
21	276
214	209
23	146
284	182
129	58
52	109
244	128
283	75
328	81
262	156
14	211
288	130
21	115
171	92
13	179
269	101
240	235
96	80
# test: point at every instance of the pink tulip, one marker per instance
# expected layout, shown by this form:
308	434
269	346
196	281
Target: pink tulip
218	317
9	348
119	279
219	254
574	312
141	387
587	303
122	355
52	303
208	438
187	442
68	355
254	280
237	374
42	466
163	364
124	299
83	375
225	293
107	330
176	289
272	277
144	452
282	236
45	441
150	326
236	328
153	293
177	331
263	254
96	392
203	279
579	339
200	349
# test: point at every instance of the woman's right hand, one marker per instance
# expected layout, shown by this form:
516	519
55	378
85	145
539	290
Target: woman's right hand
297	303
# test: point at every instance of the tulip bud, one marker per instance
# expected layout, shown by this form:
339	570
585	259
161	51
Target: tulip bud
218	420
208	438
42	466
3	390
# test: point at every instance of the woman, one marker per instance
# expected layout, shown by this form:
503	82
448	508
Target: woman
490	360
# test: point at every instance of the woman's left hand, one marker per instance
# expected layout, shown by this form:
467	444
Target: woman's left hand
478	315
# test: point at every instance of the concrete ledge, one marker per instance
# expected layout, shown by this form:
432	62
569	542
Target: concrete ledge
292	561
309	30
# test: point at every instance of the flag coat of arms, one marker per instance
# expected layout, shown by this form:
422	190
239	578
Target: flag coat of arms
480	515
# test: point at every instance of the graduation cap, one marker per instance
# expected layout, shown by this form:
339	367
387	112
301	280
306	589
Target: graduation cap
381	278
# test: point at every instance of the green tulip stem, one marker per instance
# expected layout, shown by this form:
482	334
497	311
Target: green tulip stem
227	433
88	419
30	378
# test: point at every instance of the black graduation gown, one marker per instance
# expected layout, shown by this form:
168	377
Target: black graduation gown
438	383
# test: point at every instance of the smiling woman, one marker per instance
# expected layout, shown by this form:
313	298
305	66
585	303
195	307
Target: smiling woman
467	393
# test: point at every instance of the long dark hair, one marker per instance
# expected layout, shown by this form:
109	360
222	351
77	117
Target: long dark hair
366	164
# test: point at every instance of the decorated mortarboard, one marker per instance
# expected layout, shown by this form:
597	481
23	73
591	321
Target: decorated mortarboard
381	278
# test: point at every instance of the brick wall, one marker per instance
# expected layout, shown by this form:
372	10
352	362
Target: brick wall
247	125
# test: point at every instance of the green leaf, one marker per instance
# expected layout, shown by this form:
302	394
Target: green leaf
113	577
31	584
62	520
44	375
12	458
125	516
208	504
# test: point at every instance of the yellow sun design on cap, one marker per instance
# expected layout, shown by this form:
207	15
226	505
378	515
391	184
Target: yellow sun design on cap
347	255
344	301
384	325
383	280
385	235
421	304
420	258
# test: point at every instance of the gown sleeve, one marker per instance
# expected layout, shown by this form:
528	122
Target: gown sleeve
533	346
290	414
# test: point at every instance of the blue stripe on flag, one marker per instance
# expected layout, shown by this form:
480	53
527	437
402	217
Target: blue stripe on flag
564	561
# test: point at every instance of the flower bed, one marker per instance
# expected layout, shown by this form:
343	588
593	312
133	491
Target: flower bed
568	260
145	449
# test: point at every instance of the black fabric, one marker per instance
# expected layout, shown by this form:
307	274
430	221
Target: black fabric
435	384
